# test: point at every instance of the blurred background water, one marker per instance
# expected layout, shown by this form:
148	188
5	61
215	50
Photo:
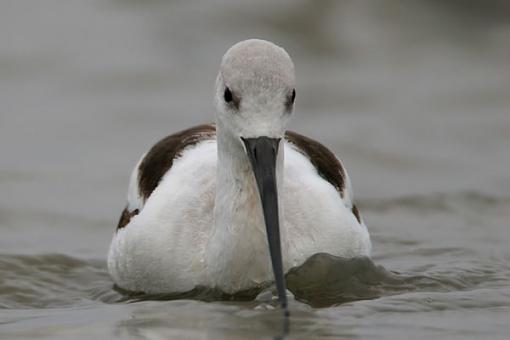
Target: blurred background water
414	97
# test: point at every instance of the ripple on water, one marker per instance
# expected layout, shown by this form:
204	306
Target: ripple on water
51	281
326	280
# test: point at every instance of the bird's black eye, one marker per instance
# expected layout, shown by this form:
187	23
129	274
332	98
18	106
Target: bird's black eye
232	99
289	102
227	95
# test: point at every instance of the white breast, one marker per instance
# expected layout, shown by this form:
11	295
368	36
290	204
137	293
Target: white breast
164	248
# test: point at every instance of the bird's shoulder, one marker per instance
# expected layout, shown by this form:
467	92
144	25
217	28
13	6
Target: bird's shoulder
324	160
155	164
162	155
328	166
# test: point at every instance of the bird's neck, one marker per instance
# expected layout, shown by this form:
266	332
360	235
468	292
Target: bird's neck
238	244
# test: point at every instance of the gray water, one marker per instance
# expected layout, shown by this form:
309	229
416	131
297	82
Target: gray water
414	97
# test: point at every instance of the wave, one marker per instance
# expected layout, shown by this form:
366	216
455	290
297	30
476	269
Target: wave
54	280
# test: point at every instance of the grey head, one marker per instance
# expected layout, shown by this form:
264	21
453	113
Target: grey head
255	89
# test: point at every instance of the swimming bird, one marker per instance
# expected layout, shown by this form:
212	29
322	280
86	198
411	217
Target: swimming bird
236	204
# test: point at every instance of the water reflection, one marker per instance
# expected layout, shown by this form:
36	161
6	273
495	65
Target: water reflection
190	319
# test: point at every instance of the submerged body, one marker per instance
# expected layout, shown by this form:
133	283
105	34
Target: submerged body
204	204
173	244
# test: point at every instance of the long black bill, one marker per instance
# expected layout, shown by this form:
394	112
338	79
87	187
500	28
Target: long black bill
262	153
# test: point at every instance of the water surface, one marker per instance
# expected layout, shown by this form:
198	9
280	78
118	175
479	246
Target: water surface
414	98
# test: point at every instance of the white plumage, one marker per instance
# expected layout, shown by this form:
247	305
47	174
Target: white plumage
202	225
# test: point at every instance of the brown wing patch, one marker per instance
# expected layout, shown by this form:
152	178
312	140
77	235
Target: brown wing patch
126	217
356	213
162	155
327	165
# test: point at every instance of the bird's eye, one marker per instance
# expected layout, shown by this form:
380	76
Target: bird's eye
232	99
289	102
228	95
